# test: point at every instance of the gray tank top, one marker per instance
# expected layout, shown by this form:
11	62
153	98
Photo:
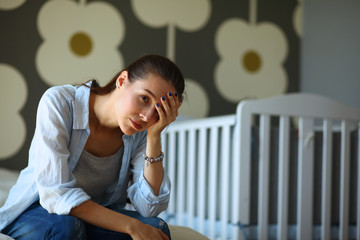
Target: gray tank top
94	174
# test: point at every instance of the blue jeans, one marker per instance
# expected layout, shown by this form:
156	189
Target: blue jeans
36	223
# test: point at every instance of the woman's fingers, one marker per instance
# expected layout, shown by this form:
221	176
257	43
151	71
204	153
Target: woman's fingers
174	103
165	105
167	110
160	111
169	107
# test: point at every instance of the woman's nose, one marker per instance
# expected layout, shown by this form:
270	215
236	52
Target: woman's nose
147	114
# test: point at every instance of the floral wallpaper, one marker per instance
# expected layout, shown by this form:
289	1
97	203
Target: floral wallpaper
228	50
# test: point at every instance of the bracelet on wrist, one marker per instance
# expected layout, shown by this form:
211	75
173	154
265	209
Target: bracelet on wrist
151	160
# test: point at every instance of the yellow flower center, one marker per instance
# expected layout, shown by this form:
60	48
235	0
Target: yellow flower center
81	44
251	61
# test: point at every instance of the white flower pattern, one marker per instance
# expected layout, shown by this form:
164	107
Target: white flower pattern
196	103
251	60
188	15
13	96
81	44
10	4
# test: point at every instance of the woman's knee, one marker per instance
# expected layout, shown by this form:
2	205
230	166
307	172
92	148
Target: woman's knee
163	226
157	223
152	221
46	226
68	227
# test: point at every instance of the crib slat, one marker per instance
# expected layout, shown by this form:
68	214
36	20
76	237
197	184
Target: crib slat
283	181
164	149
212	179
202	180
326	180
241	166
305	179
191	176
171	170
344	180
164	145
264	153
224	189
180	207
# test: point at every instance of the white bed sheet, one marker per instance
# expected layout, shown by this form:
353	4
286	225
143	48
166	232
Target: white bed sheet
7	180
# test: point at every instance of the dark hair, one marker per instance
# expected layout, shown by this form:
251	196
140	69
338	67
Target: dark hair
140	68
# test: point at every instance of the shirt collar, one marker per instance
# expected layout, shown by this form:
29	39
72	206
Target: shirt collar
81	107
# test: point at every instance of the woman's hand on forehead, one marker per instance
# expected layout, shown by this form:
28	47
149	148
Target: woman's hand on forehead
167	110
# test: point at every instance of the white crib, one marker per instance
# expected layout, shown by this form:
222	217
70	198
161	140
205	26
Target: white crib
218	185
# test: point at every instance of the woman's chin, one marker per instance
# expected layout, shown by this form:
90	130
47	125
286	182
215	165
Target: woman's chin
130	131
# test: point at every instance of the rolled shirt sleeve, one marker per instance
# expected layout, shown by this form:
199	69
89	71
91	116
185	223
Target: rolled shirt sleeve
140	192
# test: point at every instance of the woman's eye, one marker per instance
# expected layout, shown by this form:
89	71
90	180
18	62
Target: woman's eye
145	98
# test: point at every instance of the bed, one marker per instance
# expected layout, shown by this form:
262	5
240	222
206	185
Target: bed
285	167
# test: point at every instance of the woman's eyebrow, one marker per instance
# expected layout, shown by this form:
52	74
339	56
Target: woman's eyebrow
150	92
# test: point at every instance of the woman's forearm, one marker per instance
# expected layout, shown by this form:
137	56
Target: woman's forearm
103	217
167	112
154	172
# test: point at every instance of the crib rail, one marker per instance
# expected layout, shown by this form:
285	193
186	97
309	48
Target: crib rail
214	173
310	111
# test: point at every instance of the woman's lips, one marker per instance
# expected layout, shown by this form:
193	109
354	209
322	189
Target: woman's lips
135	124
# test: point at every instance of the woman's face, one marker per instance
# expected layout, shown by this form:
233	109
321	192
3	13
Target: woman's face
135	103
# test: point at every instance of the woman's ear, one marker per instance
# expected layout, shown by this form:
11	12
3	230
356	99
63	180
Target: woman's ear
123	77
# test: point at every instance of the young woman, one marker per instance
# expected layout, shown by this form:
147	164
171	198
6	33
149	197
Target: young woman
93	148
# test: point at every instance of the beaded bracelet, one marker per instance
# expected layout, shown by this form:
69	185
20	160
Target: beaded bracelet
151	160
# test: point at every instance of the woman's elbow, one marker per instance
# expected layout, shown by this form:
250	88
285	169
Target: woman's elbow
152	210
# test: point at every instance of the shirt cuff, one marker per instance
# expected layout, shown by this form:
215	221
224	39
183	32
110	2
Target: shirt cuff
72	198
145	201
148	193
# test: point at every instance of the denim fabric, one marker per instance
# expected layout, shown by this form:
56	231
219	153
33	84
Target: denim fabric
36	223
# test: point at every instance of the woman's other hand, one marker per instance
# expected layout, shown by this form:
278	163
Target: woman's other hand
143	231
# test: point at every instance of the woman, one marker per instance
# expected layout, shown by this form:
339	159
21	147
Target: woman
93	148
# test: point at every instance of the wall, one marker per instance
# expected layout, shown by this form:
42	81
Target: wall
228	50
331	50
